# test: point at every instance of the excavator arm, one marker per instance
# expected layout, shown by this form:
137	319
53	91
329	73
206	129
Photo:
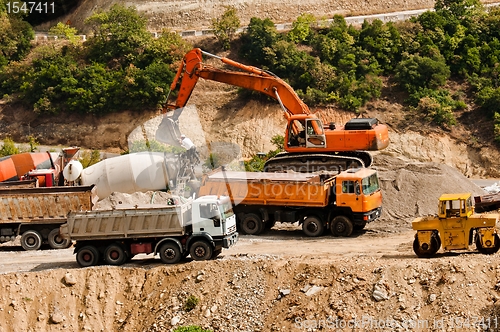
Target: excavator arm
256	79
192	68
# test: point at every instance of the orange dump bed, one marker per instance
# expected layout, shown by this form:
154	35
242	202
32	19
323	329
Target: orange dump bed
280	189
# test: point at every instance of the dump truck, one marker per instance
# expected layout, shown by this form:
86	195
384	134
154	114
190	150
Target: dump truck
486	203
455	227
339	202
200	228
37	213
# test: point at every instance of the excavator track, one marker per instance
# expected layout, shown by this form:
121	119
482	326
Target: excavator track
307	163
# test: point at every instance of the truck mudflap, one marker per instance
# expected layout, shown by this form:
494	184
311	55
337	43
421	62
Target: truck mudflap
367	216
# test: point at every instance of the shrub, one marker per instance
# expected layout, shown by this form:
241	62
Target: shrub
89	158
191	303
8	148
415	72
225	26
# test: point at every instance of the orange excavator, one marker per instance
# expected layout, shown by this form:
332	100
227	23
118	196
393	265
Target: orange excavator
309	145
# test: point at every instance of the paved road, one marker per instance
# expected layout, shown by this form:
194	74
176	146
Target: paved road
485	182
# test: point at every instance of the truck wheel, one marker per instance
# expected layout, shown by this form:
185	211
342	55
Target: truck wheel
251	224
31	240
341	226
201	251
87	256
115	255
427	250
488	251
313	226
170	253
56	241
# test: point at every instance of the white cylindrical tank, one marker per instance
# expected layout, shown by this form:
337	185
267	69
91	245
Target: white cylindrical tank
129	173
72	170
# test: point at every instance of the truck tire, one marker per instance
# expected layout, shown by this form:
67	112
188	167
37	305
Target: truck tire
170	253
87	256
201	251
31	240
251	224
313	226
488	251
57	242
114	254
341	226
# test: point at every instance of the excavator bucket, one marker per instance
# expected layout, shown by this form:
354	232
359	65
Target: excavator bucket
168	131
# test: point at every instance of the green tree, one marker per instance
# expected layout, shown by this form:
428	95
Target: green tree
415	72
61	30
15	36
459	9
225	27
259	37
89	158
301	29
383	42
120	36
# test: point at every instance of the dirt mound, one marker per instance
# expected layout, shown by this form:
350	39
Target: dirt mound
123	199
411	188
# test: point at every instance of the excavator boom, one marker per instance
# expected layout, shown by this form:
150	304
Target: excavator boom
252	78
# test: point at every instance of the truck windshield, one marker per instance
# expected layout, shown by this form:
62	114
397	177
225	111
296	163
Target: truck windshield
370	184
226	210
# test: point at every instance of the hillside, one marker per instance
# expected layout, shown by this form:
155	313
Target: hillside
197	14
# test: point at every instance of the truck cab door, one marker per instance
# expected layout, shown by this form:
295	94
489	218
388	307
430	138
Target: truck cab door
350	195
315	136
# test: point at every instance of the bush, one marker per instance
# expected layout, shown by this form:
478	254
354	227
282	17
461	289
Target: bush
440	114
260	36
415	72
191	303
8	148
89	158
225	26
436	106
212	162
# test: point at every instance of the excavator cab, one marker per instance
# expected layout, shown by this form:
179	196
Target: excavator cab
315	136
304	132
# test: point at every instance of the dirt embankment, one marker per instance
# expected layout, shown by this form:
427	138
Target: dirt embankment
261	293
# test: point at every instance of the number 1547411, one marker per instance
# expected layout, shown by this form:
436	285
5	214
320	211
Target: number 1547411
30	7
